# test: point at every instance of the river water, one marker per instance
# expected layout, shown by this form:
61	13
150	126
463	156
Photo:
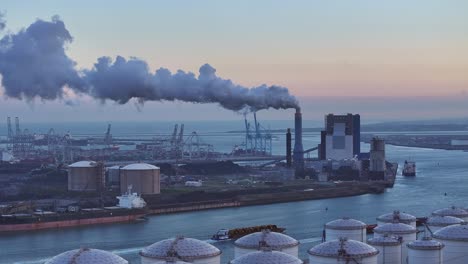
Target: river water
438	172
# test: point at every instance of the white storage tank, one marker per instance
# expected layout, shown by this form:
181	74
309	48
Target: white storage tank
389	248
86	256
397	217
404	232
425	251
266	257
185	249
435	223
346	227
455	239
273	240
144	178
452	211
86	176
343	251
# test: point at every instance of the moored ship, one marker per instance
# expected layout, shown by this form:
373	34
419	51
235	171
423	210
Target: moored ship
131	208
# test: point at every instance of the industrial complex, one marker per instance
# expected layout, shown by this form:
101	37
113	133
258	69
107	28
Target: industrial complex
179	172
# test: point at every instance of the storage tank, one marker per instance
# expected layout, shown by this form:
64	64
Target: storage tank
452	211
185	249
435	223
389	248
144	178
455	239
346	227
343	251
113	176
266	257
273	240
397	217
86	256
425	251
404	232
85	176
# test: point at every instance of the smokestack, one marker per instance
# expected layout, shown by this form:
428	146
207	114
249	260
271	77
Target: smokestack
288	148
298	149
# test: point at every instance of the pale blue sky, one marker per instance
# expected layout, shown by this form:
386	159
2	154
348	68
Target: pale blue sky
315	48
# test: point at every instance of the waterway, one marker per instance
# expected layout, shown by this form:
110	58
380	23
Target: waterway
438	172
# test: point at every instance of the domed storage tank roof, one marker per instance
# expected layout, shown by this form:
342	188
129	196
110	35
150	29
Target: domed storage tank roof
186	249
384	241
83	164
274	240
443	220
87	256
345	223
335	248
458	232
451	211
425	244
140	166
395	228
396	216
266	257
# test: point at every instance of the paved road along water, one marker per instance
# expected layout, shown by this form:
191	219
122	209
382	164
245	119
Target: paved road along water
438	172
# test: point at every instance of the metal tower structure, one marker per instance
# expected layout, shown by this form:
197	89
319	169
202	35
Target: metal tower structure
259	141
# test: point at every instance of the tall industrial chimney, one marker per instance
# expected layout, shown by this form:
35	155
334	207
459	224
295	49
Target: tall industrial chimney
288	149
298	149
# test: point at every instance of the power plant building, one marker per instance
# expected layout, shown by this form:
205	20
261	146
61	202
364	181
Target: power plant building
86	176
341	138
144	178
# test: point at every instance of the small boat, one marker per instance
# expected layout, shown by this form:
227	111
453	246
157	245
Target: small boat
227	234
409	169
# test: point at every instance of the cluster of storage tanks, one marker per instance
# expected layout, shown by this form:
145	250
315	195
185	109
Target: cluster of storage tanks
345	241
91	176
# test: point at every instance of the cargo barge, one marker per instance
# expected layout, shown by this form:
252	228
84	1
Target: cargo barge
227	234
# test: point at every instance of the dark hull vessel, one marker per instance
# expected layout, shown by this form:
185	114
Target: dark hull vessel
28	222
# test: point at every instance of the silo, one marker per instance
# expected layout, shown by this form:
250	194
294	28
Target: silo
346	227
425	251
86	256
435	223
389	248
455	239
273	240
266	257
404	232
144	178
85	176
397	217
343	251
452	211
185	249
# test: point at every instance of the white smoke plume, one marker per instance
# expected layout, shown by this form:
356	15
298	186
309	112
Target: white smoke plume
33	64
